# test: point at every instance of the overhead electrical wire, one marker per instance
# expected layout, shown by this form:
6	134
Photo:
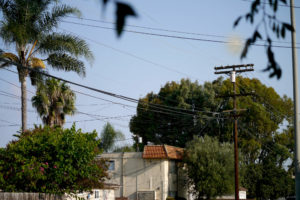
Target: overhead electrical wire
14	84
172	36
164	30
174	110
103	117
156	109
134	56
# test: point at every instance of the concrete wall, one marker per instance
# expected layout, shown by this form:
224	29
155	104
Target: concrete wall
28	196
138	175
103	195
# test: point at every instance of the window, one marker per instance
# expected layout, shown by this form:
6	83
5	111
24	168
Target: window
172	167
111	165
97	195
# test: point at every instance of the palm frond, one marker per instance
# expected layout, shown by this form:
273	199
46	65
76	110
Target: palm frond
67	63
54	100
16	26
6	7
51	19
59	43
6	57
37	63
36	77
10	56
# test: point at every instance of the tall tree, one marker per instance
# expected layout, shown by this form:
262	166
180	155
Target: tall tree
265	120
209	167
268	178
157	123
195	109
54	100
29	26
109	136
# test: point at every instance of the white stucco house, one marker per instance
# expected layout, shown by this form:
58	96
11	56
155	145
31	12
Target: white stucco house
149	175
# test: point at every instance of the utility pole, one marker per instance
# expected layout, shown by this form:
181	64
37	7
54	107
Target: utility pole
296	103
233	70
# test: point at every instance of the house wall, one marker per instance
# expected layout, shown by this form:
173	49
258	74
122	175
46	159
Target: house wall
138	175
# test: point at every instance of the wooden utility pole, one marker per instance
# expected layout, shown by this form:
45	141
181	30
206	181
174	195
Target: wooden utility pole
296	103
233	70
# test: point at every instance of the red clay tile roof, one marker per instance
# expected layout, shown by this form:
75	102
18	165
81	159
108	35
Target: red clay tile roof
154	151
162	152
175	153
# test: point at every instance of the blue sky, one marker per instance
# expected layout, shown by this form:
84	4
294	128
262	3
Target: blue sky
137	64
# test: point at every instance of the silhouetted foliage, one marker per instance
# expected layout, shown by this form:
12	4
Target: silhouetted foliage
268	10
123	10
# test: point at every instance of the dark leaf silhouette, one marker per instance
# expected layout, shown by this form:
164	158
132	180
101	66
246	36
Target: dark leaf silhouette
122	12
245	50
254	6
237	21
275	6
283	32
255	36
288	26
268	21
272	63
104	2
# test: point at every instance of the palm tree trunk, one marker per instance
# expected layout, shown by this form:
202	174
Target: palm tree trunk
24	102
22	78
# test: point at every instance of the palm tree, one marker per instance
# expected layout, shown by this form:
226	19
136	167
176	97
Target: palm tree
54	100
109	137
29	26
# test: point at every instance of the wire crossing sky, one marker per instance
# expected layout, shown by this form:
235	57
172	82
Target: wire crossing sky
139	63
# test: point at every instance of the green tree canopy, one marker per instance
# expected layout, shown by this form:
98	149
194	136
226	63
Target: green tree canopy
209	167
54	100
183	110
156	122
52	160
268	178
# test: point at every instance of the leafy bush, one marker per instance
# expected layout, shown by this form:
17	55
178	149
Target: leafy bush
52	160
210	167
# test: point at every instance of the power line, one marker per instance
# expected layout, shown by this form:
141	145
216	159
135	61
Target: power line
14	85
160	108
173	36
104	117
155	109
69	122
12	123
135	56
15	108
162	29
